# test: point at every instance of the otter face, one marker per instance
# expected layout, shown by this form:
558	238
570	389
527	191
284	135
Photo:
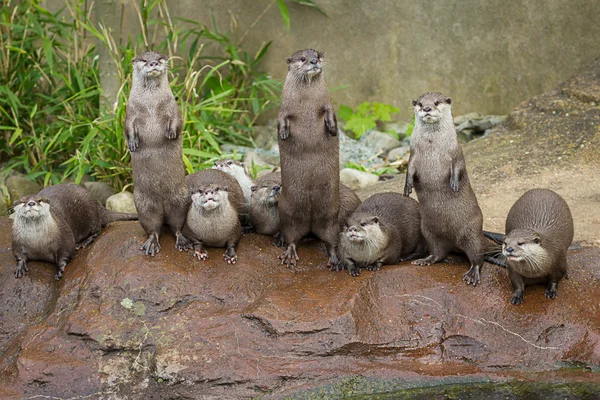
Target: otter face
360	228
150	64
431	106
306	63
231	167
210	197
268	194
525	246
31	208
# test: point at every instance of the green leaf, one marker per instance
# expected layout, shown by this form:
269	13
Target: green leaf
360	124
352	165
310	3
364	108
48	51
284	13
345	112
383	111
261	53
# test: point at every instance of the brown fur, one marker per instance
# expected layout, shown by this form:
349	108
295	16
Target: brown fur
218	227
63	218
539	229
309	150
451	217
153	128
389	228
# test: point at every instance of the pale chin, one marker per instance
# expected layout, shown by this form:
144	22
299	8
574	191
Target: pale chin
430	119
313	72
210	205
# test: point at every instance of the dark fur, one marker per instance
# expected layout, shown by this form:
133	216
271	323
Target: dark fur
399	220
75	221
538	218
309	149
220	227
451	217
153	128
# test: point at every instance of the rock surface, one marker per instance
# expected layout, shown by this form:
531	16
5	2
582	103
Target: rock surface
356	179
121	202
18	186
124	325
100	191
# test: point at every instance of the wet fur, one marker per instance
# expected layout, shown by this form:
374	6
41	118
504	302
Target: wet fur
219	227
539	229
309	149
153	129
69	218
451	217
396	236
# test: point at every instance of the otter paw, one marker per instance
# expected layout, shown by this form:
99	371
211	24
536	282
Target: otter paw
201	255
374	267
151	247
354	271
133	144
517	298
21	269
551	291
230	258
171	134
338	267
471	277
288	259
182	243
423	261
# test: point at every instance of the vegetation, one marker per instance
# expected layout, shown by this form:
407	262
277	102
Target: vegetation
50	119
366	116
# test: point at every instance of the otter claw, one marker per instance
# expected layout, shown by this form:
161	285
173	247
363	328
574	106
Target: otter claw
133	144
151	247
201	255
21	269
471	277
182	243
230	259
354	272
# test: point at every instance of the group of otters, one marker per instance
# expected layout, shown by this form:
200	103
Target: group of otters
205	208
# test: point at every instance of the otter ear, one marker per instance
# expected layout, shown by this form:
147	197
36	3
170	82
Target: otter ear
253	188
414	103
448	100
289	60
375	220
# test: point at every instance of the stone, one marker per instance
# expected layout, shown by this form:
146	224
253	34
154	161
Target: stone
356	179
121	202
265	136
263	158
399	153
357	152
19	186
123	325
380	141
100	191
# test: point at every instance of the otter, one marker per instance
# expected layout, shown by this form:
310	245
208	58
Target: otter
153	129
238	170
539	230
264	214
451	217
309	151
385	229
213	218
51	225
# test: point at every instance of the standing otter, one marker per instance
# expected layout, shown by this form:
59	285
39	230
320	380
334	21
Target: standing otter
51	225
539	230
309	150
153	128
238	170
213	218
264	214
385	229
451	217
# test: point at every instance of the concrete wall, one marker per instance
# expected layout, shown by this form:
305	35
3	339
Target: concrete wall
488	55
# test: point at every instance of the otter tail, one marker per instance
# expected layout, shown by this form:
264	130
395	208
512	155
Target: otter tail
113	216
496	237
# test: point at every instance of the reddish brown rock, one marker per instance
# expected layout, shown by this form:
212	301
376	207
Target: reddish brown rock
172	326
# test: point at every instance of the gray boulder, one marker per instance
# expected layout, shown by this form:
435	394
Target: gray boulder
121	202
100	191
18	186
356	179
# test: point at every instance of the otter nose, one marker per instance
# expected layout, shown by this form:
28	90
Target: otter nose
509	249
352	229
154	63
31	203
314	61
427	109
276	188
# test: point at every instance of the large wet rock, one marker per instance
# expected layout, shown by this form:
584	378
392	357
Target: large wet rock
122	325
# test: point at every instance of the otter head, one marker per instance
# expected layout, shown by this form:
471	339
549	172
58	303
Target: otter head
150	65
267	193
231	167
525	246
305	64
362	228
31	208
210	197
431	107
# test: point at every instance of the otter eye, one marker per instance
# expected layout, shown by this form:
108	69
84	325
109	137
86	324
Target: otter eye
229	162
536	240
302	59
362	224
521	243
200	191
437	103
420	104
216	189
